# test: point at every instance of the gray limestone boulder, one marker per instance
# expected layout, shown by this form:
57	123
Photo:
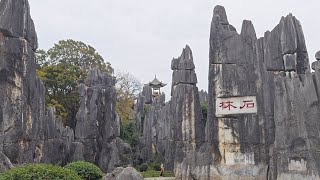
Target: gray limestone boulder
5	162
121	173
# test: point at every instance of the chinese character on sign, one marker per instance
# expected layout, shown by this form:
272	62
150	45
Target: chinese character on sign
247	104
227	104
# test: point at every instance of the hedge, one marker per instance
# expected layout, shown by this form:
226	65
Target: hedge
39	172
86	170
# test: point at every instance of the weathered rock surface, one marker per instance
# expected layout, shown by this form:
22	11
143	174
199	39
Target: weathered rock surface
279	141
121	173
175	130
29	133
97	127
16	21
186	113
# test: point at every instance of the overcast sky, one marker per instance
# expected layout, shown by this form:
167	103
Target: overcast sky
142	36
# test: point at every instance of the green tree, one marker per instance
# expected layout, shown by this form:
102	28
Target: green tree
79	54
130	133
41	58
61	69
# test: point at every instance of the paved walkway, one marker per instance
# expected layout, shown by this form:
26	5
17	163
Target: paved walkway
161	178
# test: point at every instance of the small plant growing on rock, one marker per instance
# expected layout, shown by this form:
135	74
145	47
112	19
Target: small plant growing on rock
88	171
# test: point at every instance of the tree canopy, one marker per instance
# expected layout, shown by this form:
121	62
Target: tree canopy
65	65
127	88
62	68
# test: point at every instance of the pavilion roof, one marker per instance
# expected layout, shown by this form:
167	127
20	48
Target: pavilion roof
155	83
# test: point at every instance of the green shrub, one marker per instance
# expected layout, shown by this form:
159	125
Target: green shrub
156	167
86	170
39	171
143	167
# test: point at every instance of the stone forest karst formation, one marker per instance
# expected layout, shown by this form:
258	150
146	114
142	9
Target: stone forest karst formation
263	107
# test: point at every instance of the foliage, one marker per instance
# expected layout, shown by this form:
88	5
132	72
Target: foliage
39	171
130	133
61	68
204	108
137	161
125	160
41	58
61	87
156	167
152	173
86	170
143	167
127	89
155	162
79	54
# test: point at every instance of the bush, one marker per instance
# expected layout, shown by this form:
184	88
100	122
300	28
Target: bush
143	167
86	170
156	167
39	171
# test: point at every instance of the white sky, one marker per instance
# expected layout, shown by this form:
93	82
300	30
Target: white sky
142	36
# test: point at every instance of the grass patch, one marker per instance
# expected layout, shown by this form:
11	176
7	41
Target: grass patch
153	173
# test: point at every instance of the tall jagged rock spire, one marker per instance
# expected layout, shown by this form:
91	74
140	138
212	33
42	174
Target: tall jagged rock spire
27	130
183	68
16	21
234	138
187	114
285	48
175	129
98	127
278	140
